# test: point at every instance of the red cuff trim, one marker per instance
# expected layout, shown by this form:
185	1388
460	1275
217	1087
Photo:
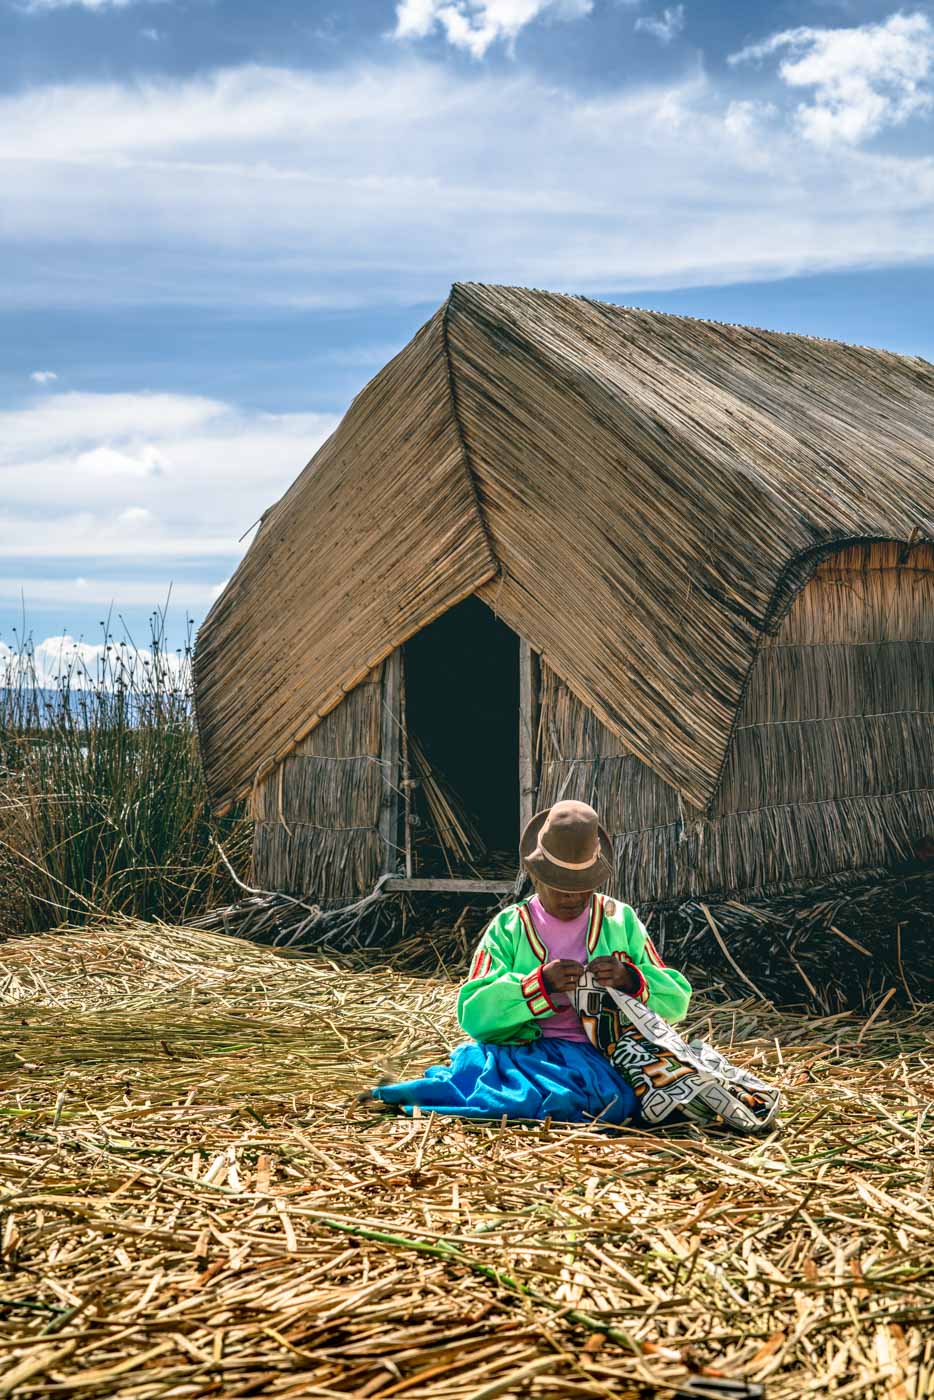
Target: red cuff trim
536	994
642	988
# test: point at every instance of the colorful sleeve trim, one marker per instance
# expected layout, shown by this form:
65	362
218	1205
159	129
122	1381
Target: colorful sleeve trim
653	952
481	964
596	922
531	933
536	994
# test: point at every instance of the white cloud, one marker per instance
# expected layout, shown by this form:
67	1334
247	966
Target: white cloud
415	19
155	479
96	423
43	376
309	189
135	516
664	27
745	119
864	79
477	24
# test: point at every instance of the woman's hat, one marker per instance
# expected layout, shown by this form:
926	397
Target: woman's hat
567	847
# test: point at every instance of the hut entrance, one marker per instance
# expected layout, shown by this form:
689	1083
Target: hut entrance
462	725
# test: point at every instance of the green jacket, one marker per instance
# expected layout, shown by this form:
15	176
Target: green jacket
505	1000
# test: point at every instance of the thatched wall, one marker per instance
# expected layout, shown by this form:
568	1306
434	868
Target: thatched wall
831	766
317	814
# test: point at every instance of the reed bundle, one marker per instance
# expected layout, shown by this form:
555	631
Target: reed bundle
847	943
451	824
192	1205
420	932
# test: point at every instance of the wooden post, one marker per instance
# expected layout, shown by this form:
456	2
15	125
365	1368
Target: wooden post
406	783
390	753
528	785
452	886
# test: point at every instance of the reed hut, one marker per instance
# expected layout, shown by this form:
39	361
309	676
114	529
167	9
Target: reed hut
559	548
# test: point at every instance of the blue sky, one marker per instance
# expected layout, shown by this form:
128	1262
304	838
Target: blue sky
219	219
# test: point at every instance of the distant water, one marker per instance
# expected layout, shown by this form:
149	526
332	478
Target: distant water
38	705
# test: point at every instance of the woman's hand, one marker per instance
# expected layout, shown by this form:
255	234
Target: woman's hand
562	974
610	972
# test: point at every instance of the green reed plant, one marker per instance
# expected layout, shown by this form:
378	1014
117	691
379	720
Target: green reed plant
103	807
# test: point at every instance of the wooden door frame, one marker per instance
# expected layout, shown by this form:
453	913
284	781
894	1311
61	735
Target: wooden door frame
392	720
528	725
393	822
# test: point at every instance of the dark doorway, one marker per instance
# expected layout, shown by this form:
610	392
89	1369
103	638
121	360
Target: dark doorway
462	720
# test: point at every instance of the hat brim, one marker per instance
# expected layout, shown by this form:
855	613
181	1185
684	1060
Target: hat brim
538	864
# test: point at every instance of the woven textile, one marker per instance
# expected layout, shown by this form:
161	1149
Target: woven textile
668	1075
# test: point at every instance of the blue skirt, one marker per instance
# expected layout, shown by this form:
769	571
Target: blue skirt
566	1080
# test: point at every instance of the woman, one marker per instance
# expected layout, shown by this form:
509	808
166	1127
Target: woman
529	1056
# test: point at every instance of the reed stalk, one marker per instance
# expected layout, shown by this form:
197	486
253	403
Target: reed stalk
103	807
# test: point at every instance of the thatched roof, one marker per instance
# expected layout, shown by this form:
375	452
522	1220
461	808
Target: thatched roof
638	495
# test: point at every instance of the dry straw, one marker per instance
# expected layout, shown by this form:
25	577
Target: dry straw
193	1205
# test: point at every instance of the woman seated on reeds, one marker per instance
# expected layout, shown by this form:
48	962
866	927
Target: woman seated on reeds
529	1056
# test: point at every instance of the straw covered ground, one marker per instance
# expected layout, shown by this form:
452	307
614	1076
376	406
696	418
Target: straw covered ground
193	1204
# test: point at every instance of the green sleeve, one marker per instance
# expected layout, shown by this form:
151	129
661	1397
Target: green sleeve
496	1003
664	990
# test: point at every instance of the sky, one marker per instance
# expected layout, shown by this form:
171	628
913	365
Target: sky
220	218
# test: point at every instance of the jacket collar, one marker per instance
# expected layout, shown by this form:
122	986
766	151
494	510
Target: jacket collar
594	927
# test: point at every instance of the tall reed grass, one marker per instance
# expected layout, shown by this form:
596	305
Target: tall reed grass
103	808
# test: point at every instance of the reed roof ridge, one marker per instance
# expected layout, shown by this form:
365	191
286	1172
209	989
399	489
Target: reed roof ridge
602	303
459	429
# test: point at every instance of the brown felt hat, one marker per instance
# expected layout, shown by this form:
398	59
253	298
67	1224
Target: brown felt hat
567	847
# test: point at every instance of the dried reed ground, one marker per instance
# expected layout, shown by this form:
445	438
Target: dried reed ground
192	1203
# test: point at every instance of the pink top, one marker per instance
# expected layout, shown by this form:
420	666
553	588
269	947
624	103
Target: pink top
563	938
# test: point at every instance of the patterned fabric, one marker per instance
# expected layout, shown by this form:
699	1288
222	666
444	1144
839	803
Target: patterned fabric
668	1075
566	1080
